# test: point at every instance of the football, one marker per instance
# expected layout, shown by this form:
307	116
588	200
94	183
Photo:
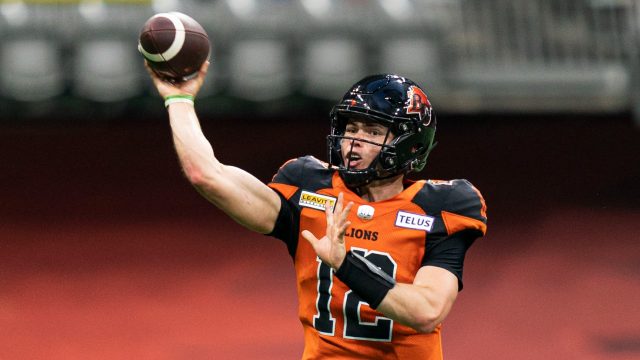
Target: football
174	45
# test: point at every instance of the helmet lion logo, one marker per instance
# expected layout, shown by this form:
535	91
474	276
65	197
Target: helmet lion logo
418	103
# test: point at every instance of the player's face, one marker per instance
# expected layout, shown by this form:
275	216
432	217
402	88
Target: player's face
359	154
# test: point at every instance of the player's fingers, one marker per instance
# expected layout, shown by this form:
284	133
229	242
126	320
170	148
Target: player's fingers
146	66
341	231
339	204
347	209
329	215
345	213
342	217
152	74
159	82
340	221
205	67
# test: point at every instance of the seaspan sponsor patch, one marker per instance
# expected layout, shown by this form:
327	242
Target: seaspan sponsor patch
414	221
316	201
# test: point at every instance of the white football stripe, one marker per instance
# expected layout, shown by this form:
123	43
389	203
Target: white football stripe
175	47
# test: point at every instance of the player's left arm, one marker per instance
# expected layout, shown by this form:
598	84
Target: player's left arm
422	304
425	303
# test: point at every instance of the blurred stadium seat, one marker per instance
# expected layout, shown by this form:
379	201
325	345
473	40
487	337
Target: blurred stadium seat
417	59
31	69
107	70
349	16
260	70
14	13
253	39
330	66
270	15
317	8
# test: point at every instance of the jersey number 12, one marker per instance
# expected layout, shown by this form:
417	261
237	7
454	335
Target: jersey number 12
354	326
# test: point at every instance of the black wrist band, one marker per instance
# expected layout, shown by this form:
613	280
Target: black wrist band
365	279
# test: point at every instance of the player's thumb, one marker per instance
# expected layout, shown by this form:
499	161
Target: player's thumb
309	236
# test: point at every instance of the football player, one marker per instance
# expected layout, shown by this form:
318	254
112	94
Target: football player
378	258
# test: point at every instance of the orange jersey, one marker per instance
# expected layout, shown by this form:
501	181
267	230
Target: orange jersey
393	234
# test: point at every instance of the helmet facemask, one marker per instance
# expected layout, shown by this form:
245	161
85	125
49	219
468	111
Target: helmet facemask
406	151
352	176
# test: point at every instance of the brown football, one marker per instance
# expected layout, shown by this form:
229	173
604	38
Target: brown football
174	44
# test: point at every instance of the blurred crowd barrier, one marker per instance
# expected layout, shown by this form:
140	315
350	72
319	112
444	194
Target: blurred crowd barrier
470	55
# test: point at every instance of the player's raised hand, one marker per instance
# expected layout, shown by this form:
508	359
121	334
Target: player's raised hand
189	87
330	248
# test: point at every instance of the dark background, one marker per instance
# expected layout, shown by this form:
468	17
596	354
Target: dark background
107	252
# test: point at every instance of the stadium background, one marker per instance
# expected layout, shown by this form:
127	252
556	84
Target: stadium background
106	252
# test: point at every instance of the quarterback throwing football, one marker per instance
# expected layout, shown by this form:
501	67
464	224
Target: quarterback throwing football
378	258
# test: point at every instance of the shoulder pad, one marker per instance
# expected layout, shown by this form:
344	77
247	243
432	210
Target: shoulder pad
302	171
464	207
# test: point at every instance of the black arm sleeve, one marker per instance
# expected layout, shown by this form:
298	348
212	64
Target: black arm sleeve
286	227
448	252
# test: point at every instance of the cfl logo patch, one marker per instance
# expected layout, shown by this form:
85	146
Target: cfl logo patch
365	212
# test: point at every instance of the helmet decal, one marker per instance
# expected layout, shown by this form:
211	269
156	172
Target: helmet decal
419	104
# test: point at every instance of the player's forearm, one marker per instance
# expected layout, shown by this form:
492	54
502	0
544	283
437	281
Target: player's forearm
194	150
236	192
421	305
415	306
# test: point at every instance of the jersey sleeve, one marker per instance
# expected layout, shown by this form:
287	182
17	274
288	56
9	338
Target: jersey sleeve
286	183
449	252
464	214
304	172
464	209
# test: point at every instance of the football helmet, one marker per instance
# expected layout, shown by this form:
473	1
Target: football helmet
400	105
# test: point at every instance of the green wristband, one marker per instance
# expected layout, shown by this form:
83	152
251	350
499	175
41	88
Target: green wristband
172	99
